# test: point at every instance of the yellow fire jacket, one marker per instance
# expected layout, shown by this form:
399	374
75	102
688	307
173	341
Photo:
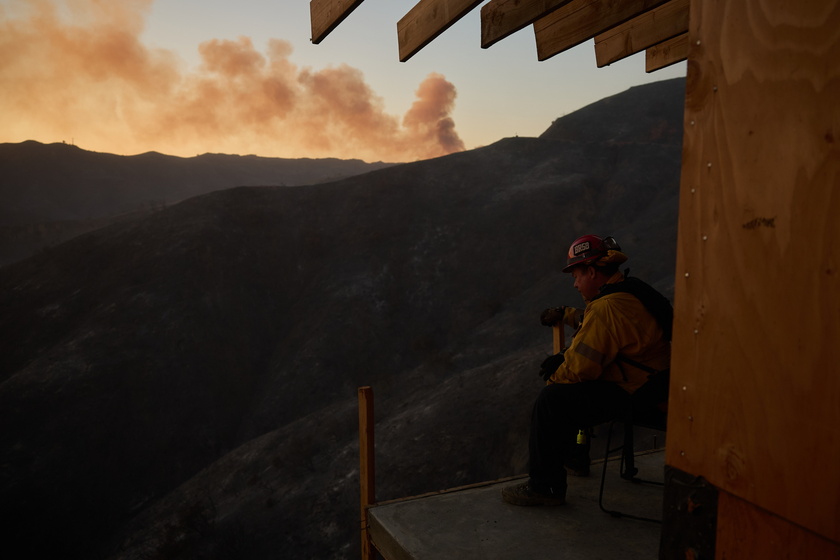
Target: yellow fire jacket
614	324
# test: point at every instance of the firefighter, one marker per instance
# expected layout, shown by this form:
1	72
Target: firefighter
622	343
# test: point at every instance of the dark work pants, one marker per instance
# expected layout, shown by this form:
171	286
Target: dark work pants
560	411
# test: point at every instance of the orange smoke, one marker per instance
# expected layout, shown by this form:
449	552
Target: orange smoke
77	69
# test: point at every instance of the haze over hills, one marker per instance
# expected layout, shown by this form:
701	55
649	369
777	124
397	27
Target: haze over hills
52	192
183	384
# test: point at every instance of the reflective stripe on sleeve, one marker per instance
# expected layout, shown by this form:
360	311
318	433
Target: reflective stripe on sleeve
590	353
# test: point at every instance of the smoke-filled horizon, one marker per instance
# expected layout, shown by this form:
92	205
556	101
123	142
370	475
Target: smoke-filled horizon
77	70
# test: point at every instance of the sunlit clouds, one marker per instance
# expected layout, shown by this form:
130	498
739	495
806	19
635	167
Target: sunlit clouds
77	70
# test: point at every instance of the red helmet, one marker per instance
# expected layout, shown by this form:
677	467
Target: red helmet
588	249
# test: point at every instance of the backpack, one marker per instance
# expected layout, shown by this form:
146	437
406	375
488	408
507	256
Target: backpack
655	303
658	306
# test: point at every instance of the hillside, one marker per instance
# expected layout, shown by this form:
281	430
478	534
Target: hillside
52	192
622	118
183	384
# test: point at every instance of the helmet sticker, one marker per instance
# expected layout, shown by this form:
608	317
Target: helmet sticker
581	247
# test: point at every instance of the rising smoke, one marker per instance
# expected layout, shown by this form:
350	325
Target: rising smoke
78	69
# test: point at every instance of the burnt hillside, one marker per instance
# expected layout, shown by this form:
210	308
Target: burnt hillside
183	385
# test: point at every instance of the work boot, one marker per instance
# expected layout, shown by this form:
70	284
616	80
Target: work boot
524	495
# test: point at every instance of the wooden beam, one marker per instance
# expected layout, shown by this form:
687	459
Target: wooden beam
666	53
501	18
325	15
428	19
581	20
651	28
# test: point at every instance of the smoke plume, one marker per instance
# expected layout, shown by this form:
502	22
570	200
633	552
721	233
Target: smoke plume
77	69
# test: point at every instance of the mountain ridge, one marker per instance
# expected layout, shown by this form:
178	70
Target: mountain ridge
37	211
184	383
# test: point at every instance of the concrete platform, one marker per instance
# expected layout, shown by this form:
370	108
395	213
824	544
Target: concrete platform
475	523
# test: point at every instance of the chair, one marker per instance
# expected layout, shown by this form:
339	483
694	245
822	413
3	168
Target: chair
647	408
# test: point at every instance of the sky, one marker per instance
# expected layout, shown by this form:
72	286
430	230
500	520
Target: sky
186	77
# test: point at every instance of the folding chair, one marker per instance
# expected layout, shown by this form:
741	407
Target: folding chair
647	408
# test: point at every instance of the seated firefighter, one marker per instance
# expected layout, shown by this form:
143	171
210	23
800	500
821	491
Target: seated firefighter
622	344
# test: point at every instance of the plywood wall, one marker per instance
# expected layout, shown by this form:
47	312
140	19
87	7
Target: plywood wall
755	396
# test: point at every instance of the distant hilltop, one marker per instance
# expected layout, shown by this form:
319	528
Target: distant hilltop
48	182
52	192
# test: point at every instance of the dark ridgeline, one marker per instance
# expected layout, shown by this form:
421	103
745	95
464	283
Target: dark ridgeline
183	384
50	193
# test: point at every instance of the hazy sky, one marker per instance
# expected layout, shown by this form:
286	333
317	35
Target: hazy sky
191	76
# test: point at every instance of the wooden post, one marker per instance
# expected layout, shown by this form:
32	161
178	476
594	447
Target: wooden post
366	466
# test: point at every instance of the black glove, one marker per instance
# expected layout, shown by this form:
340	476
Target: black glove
552	316
550	365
